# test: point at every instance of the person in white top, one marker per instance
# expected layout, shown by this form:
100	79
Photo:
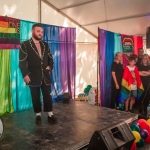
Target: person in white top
133	94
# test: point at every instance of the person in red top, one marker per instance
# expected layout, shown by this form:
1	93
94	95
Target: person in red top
131	86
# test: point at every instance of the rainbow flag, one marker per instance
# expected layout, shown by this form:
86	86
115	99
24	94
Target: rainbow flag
127	80
9	33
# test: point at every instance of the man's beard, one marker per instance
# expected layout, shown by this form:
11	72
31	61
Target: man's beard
37	38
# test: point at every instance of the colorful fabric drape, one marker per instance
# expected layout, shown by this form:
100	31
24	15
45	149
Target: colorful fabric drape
117	43
5	86
9	33
127	80
109	59
51	36
109	44
21	97
14	93
138	43
67	59
102	47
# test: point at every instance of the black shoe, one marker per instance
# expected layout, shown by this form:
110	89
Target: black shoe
131	111
38	120
52	119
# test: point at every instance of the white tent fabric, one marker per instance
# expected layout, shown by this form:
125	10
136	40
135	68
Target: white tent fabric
121	16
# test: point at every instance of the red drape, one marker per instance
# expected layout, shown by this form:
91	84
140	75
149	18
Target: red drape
138	43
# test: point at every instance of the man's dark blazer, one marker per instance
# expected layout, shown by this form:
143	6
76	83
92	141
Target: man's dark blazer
33	65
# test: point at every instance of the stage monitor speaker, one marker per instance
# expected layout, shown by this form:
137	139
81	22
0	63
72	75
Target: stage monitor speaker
66	97
148	37
117	137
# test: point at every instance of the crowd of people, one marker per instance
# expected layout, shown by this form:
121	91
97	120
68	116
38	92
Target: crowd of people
134	76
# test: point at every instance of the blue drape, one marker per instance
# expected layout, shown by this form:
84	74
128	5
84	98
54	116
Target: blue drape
51	36
109	59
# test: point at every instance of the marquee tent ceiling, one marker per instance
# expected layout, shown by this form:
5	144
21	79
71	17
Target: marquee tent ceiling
121	16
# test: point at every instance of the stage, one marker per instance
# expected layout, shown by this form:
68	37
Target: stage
77	122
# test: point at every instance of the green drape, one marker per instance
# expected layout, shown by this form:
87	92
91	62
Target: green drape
5	81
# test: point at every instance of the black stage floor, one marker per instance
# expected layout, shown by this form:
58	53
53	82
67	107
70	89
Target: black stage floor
77	122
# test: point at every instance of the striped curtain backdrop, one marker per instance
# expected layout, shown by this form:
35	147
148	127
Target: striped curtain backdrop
109	43
14	94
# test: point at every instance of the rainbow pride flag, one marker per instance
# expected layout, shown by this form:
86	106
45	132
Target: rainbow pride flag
127	80
9	33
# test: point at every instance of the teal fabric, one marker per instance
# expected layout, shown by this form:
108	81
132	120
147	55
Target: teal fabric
117	43
25	30
21	97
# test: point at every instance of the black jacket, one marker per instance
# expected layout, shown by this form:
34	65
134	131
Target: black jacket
33	65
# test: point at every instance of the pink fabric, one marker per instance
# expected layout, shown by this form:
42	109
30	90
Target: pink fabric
9	46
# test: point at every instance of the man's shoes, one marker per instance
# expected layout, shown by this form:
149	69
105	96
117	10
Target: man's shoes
52	119
38	120
117	108
131	111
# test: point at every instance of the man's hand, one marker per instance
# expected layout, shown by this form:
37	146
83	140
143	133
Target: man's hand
48	68
117	86
27	79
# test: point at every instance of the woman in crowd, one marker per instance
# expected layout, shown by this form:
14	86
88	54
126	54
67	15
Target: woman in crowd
144	71
117	72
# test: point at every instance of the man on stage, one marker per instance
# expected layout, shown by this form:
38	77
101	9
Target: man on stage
35	62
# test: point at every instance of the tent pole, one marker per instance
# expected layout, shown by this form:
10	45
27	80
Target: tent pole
39	11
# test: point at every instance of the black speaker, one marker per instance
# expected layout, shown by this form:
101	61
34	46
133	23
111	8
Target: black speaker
66	97
117	137
148	37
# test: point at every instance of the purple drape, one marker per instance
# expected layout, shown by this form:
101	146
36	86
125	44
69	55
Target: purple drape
102	47
68	59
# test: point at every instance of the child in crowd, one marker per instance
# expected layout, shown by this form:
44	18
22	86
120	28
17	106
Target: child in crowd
131	84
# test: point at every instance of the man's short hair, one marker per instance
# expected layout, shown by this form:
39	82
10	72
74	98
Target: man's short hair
131	58
37	25
140	49
134	55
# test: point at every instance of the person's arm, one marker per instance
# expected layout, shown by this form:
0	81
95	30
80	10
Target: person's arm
50	60
115	79
23	63
144	73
